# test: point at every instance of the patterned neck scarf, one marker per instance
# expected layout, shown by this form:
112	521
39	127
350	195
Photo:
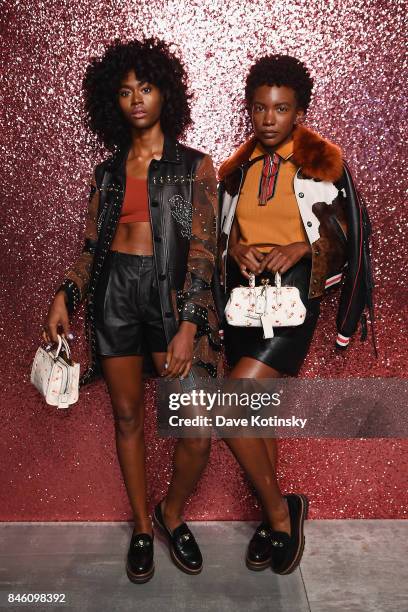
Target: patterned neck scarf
269	177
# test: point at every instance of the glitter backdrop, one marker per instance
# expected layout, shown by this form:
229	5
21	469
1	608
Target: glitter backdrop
62	466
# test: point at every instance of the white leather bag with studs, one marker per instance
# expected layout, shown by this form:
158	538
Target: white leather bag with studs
55	375
265	306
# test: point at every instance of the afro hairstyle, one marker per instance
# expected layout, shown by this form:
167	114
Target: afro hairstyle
280	70
152	61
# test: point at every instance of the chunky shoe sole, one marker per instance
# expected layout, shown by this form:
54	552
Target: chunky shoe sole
163	534
139	578
257	566
299	552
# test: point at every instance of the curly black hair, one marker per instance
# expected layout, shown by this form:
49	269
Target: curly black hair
152	61
280	70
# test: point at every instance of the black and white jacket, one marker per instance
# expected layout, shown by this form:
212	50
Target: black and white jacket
334	217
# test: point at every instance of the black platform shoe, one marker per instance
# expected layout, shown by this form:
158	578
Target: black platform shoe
259	552
183	547
140	566
288	549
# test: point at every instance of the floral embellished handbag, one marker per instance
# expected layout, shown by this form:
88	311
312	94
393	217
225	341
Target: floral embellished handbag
265	306
55	375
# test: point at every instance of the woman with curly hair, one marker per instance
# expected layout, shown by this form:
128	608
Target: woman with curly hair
289	207
145	271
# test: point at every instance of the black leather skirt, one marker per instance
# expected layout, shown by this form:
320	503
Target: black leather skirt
288	348
128	319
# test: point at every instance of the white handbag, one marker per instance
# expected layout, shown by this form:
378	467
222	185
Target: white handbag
265	306
55	375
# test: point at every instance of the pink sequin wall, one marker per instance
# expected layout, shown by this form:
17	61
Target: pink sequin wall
62	465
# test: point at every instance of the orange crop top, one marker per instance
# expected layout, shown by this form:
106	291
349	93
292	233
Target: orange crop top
135	205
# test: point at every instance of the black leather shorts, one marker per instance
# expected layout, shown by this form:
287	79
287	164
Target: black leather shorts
128	317
288	348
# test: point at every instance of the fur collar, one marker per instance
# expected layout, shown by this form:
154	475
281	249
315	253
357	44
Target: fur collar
318	158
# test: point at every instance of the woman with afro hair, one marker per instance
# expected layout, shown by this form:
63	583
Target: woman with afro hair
145	271
289	206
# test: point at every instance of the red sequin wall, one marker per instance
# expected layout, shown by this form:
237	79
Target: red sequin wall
62	465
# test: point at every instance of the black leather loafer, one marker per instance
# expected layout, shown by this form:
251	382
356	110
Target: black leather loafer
140	566
288	549
183	547
259	552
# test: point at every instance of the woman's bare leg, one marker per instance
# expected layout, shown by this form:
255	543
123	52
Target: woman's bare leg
252	370
189	460
123	377
257	456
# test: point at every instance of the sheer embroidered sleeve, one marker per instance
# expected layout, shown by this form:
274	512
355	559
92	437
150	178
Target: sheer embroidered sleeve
76	279
195	301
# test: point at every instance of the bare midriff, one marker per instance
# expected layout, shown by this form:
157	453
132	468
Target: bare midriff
134	238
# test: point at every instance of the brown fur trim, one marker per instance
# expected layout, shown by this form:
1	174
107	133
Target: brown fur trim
241	155
319	158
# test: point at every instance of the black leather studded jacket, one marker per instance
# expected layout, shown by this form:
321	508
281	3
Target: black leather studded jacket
183	215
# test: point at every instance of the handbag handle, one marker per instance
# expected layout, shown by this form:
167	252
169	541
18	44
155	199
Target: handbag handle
62	343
